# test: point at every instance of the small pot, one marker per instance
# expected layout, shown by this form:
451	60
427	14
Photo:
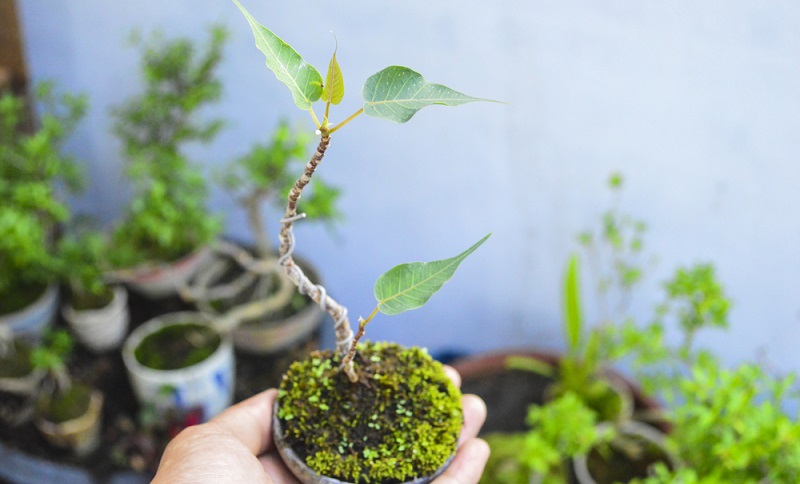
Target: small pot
102	329
166	279
24	385
306	475
580	464
207	385
267	337
32	320
81	434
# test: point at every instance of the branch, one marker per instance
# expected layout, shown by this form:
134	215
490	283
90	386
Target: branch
344	335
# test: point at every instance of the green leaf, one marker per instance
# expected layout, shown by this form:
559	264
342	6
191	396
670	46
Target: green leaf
302	79
397	93
409	286
334	83
572	304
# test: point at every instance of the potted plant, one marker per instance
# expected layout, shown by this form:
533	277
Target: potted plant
68	414
248	284
179	363
18	375
31	167
96	311
165	233
375	411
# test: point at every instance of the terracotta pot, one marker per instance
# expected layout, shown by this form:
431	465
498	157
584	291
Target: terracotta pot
509	393
306	475
81	434
31	321
164	280
639	430
101	329
207	385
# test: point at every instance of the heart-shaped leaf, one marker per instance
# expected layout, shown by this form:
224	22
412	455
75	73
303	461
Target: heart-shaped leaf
572	304
302	79
397	93
409	286
333	91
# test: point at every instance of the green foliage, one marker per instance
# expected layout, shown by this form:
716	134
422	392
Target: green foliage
267	173
52	355
83	259
32	169
409	286
395	93
573	321
697	299
167	217
616	253
402	421
731	427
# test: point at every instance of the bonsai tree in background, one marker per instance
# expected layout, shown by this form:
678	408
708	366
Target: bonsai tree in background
32	171
260	177
167	217
332	414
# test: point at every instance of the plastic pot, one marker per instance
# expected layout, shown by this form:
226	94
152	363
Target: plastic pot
101	329
81	434
207	385
166	279
306	475
32	320
642	432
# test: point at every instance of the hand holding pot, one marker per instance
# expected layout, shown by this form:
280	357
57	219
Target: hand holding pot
236	446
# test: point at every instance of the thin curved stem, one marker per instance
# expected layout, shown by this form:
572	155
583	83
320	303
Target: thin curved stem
352	117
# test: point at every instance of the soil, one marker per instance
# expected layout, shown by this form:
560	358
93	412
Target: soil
84	301
126	444
24	296
17	363
66	406
613	465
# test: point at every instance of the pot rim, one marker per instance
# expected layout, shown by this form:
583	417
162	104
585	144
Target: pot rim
307	475
652	435
118	302
169	376
44	300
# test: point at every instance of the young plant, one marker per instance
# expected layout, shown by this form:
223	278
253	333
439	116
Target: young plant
32	170
167	217
83	260
395	93
347	422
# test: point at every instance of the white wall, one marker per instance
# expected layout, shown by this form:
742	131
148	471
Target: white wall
697	103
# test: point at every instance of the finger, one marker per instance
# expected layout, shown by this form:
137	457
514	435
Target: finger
468	465
474	416
250	421
452	373
276	469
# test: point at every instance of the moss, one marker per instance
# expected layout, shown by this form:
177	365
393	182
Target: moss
17	363
66	406
400	421
179	345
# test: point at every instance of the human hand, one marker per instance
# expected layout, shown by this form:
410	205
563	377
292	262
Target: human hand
237	446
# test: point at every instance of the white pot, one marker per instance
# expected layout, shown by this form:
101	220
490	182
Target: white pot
24	385
207	385
268	337
101	329
32	320
164	279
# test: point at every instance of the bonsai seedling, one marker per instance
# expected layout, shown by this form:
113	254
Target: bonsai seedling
31	169
371	412
167	218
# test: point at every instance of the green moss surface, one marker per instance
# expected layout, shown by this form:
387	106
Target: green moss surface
66	406
178	345
16	363
400	421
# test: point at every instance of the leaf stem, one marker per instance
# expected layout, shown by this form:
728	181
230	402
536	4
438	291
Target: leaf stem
327	111
314	115
352	117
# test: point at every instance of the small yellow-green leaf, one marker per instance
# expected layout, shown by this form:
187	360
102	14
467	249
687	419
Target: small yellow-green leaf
302	79
572	304
409	286
397	93
333	91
